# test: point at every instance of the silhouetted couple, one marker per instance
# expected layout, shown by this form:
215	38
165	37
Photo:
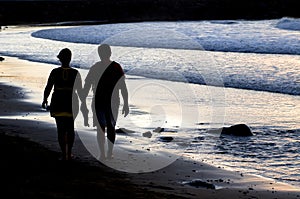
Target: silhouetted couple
106	78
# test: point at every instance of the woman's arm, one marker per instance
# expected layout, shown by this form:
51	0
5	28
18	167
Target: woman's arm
48	89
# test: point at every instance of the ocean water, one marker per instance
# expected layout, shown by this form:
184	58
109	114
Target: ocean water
218	73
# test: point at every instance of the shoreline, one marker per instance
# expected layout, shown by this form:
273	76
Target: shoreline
22	116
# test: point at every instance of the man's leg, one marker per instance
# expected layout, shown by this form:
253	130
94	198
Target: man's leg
111	120
101	140
111	137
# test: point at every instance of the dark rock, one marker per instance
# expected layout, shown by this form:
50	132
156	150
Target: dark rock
166	138
147	134
199	183
1	58
124	131
158	130
199	138
237	130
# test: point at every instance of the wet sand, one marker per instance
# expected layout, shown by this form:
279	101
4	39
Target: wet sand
30	155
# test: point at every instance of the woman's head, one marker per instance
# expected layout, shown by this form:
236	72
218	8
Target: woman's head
65	56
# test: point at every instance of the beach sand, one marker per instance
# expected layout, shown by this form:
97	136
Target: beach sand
30	152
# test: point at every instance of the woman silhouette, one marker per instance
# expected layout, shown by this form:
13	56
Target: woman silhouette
64	101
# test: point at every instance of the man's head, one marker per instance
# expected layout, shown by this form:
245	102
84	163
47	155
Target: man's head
65	56
104	51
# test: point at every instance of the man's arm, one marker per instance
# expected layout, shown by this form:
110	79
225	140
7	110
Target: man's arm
124	93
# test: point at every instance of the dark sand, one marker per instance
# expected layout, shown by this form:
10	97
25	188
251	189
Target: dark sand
30	170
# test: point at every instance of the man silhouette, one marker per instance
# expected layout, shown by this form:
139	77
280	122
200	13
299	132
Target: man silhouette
106	78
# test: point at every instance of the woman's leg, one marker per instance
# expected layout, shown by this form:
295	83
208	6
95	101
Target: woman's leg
61	135
69	122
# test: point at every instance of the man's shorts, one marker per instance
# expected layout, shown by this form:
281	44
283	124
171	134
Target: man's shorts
107	117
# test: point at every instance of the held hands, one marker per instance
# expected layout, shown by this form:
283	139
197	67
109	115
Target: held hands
125	110
85	113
